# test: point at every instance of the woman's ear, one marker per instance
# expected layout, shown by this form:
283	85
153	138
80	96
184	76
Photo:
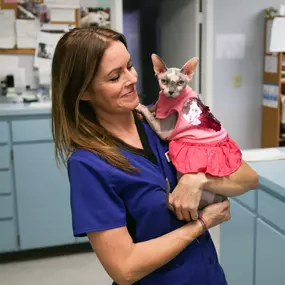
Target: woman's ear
190	66
158	64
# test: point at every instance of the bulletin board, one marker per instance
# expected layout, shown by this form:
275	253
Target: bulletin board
12	4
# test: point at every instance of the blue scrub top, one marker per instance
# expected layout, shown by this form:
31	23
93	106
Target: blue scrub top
104	197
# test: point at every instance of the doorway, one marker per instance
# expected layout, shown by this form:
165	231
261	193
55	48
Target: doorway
176	31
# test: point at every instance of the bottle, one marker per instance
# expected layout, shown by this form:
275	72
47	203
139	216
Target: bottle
11	92
3	87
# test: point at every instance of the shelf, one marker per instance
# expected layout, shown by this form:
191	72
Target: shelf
18	51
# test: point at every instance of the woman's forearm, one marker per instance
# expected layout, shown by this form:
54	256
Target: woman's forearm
239	182
150	255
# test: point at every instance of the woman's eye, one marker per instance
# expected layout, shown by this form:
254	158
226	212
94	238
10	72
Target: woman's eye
130	66
180	83
115	78
164	81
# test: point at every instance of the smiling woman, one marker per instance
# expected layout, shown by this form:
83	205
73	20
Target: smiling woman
118	170
115	82
91	76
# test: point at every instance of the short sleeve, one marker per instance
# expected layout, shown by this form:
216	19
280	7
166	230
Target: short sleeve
95	205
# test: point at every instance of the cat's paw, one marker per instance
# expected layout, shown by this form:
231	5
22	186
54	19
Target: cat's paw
141	108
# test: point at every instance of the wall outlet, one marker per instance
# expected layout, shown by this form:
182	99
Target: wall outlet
237	80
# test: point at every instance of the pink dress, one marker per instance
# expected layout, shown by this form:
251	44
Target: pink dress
198	143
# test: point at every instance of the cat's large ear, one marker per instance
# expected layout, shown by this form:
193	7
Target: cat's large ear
158	64
190	66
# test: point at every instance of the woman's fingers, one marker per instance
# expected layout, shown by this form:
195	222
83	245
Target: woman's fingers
179	214
186	215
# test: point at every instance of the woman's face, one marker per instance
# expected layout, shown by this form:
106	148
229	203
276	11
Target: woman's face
113	89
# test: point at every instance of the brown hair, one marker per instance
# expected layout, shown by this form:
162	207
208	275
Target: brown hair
76	60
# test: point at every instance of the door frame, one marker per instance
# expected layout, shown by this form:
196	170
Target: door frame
207	51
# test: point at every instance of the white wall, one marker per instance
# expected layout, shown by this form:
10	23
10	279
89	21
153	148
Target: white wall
240	108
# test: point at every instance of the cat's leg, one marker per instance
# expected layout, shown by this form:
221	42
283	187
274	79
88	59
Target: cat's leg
207	198
163	127
153	122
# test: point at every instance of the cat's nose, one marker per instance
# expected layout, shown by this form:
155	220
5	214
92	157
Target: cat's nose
171	92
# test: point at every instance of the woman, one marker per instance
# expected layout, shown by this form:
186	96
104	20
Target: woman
118	169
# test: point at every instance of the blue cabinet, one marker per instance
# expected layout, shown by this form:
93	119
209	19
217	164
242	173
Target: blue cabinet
270	255
34	192
253	241
237	246
42	197
8	240
8	230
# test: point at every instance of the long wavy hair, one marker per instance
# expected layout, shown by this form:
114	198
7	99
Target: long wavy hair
76	60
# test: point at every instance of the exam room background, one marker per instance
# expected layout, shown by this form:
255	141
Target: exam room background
238	108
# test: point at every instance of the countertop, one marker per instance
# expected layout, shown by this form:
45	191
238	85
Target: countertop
272	175
19	109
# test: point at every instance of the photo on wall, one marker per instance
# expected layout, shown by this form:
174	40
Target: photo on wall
95	17
33	9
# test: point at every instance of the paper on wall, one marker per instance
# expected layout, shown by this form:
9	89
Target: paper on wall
271	64
7	30
62	3
56	27
46	43
270	95
230	46
277	39
9	60
44	76
282	10
27	31
62	15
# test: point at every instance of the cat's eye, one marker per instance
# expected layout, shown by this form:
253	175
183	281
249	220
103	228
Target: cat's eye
180	83
164	81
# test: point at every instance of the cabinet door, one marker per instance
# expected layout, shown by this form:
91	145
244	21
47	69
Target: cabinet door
82	240
237	246
270	255
8	235
42	192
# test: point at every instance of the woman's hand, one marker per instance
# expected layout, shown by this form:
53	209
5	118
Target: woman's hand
185	198
216	214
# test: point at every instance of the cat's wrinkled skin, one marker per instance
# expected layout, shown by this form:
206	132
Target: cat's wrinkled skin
172	81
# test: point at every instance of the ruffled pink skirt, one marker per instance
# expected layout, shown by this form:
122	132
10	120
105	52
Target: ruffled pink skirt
217	159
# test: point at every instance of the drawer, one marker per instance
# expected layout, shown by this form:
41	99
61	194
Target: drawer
8	236
6	207
248	199
5	181
270	255
4	156
31	130
271	209
4	132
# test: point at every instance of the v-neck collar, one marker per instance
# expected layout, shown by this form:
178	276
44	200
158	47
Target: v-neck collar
146	152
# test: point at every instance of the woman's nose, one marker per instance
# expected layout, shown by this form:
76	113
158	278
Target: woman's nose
132	77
